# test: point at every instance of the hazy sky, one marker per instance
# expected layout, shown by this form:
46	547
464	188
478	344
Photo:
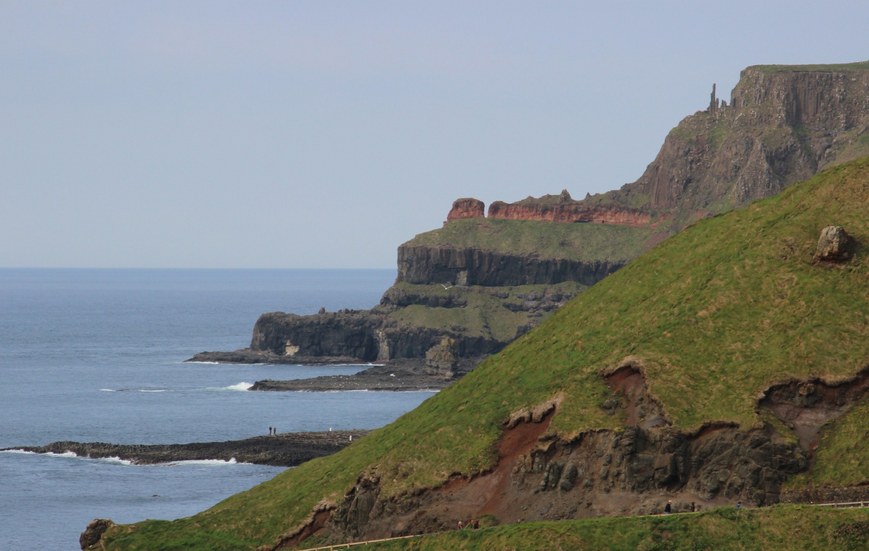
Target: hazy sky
299	134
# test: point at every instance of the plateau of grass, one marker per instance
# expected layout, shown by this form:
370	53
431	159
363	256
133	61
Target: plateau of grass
830	67
573	241
716	314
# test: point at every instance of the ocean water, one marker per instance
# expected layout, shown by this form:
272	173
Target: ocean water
98	356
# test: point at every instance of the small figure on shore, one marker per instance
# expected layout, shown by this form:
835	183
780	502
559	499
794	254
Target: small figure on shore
270	431
739	505
460	525
668	508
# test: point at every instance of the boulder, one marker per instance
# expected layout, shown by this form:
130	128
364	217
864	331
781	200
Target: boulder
834	245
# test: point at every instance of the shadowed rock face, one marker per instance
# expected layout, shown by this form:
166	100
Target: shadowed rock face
466	208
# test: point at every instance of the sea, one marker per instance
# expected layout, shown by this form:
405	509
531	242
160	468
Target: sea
98	355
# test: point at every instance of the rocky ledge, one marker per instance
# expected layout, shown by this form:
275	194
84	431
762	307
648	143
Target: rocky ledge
283	450
395	376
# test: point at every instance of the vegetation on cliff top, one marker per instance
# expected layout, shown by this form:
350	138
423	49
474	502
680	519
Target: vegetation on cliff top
716	314
575	241
829	67
495	313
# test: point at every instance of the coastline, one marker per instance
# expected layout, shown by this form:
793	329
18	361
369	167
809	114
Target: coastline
282	450
393	375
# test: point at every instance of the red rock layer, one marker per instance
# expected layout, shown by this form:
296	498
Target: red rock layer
466	208
568	212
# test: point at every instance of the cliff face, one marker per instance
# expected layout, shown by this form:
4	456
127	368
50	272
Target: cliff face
783	125
549	208
564	209
426	265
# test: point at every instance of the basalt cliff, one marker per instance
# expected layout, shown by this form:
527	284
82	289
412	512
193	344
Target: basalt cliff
467	289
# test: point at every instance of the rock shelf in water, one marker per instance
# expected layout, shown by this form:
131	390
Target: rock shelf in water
284	450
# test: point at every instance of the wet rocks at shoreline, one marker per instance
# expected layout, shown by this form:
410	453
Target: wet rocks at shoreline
282	450
394	375
406	376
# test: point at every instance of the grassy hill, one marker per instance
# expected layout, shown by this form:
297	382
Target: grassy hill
715	315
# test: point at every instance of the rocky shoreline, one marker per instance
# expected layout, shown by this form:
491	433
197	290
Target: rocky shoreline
282	450
387	377
394	375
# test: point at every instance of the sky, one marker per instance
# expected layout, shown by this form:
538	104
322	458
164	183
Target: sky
323	134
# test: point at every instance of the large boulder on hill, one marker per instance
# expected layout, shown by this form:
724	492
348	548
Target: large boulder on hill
834	245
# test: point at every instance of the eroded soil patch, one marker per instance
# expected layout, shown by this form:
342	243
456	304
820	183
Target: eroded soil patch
806	406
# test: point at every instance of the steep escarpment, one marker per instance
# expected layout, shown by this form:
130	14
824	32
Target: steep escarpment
783	124
421	264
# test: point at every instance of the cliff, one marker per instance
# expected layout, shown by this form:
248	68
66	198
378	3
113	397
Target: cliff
562	208
484	280
783	124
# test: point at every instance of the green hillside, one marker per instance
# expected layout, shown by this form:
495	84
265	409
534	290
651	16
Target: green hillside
716	314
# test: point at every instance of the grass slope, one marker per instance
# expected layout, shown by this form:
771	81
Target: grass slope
774	528
489	312
717	313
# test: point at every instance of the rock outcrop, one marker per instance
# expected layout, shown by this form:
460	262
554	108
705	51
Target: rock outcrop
783	125
466	208
466	267
834	245
562	208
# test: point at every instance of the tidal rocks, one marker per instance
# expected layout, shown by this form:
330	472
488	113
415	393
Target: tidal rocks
286	450
395	376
